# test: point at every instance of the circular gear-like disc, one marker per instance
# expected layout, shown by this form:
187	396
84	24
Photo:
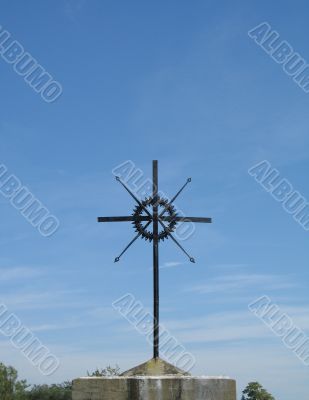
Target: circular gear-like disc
162	204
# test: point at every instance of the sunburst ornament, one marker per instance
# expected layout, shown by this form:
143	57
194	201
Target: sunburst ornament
155	211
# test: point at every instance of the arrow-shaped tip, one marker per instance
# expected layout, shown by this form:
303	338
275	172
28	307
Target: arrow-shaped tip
116	259
117	178
192	260
189	179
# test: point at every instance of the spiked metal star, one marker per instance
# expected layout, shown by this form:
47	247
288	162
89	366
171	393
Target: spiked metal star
156	211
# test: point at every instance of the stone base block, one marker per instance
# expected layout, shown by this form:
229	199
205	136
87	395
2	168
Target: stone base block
154	388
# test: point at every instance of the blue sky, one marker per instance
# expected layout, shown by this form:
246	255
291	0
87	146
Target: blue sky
183	83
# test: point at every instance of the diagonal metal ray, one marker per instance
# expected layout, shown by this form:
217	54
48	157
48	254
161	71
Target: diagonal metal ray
176	195
130	244
178	244
133	195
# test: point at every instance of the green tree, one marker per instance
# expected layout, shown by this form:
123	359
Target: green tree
255	391
10	387
50	392
13	389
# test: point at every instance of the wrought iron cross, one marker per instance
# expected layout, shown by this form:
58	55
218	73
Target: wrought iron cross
153	210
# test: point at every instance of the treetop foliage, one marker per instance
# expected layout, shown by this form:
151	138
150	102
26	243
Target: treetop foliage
255	391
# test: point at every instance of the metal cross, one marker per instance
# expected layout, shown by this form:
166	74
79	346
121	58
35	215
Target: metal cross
153	210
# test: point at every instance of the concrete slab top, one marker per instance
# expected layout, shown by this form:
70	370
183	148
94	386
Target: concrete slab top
143	377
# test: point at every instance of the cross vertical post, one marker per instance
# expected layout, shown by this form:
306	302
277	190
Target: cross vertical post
155	260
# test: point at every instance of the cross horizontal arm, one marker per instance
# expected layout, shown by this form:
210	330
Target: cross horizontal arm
187	219
130	218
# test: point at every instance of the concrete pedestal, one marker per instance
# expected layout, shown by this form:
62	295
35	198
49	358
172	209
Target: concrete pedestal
155	379
154	388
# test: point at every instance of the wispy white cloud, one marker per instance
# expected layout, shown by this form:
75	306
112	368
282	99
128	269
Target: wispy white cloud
42	300
171	264
221	327
15	273
232	326
242	281
73	8
229	266
106	313
55	327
